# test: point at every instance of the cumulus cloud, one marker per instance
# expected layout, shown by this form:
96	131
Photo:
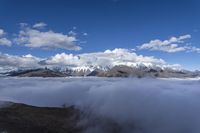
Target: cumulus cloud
3	40
102	60
34	38
12	62
136	105
39	25
171	45
108	58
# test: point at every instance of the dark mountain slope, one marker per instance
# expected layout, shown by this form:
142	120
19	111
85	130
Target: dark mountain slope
38	73
20	118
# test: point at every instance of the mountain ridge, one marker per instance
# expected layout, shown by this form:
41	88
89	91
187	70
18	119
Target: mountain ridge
116	71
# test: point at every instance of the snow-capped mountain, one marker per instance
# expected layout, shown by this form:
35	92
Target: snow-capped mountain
110	63
139	70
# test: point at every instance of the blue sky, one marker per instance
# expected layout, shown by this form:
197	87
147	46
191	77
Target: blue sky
109	24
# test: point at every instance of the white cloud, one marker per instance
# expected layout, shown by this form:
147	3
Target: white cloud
104	60
35	38
4	41
184	37
172	45
15	62
39	25
108	58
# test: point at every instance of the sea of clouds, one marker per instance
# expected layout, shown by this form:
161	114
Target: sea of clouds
137	105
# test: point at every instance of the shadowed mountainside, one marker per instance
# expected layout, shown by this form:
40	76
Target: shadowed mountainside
37	73
21	118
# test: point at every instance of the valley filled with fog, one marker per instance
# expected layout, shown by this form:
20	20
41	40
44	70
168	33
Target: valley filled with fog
137	105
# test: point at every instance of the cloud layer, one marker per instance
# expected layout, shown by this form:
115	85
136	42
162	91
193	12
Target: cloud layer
137	105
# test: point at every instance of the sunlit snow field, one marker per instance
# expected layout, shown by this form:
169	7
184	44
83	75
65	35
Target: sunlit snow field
154	105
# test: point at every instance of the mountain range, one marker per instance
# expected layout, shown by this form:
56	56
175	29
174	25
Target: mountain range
139	71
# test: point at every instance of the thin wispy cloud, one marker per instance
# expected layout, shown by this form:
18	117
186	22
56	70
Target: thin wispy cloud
1	32
85	34
194	49
40	25
172	45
